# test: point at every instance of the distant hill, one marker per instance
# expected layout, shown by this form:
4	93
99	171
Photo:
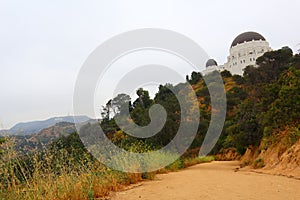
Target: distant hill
28	128
42	138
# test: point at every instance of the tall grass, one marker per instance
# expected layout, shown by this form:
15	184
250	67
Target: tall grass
60	174
197	160
56	175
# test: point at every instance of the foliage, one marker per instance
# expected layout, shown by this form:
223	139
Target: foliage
258	163
265	100
195	77
226	74
66	171
2	140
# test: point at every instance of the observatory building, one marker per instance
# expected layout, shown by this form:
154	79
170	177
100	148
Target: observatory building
244	51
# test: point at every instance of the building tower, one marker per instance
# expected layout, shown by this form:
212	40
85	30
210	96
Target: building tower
211	65
244	51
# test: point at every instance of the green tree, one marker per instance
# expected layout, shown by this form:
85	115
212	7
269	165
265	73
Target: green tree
141	106
144	99
226	73
195	77
121	103
271	65
2	140
286	107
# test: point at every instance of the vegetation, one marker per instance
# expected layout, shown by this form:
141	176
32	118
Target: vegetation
57	174
2	140
65	170
260	105
258	163
272	102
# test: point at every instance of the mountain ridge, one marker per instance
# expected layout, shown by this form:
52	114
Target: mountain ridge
31	127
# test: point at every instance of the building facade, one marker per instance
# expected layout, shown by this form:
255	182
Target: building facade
244	51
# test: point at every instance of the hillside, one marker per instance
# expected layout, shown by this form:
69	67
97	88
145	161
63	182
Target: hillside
264	128
263	113
27	128
261	126
280	157
260	105
42	138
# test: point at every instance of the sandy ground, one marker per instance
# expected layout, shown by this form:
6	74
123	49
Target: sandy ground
216	180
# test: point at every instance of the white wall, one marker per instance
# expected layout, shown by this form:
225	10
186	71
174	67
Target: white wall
245	54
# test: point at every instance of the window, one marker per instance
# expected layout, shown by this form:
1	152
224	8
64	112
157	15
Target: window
250	59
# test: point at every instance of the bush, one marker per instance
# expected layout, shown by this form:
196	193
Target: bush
226	74
238	79
258	163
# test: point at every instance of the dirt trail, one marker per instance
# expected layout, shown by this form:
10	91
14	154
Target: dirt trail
216	180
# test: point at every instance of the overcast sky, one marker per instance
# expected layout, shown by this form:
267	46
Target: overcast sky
44	43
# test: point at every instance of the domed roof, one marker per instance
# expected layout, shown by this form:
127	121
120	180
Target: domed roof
211	62
247	37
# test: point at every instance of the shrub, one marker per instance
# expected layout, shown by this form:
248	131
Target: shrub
258	163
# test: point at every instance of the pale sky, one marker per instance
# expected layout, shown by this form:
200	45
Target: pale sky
44	43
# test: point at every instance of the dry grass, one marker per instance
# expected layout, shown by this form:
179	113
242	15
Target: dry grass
197	160
87	180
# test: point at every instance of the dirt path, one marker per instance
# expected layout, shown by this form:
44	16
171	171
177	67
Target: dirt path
216	180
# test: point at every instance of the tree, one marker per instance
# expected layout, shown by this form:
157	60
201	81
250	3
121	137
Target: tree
238	79
270	66
121	103
167	99
285	107
195	77
141	106
245	130
226	73
106	110
2	140
272	102
143	100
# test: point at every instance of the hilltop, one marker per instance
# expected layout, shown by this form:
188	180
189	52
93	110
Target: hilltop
261	129
28	128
